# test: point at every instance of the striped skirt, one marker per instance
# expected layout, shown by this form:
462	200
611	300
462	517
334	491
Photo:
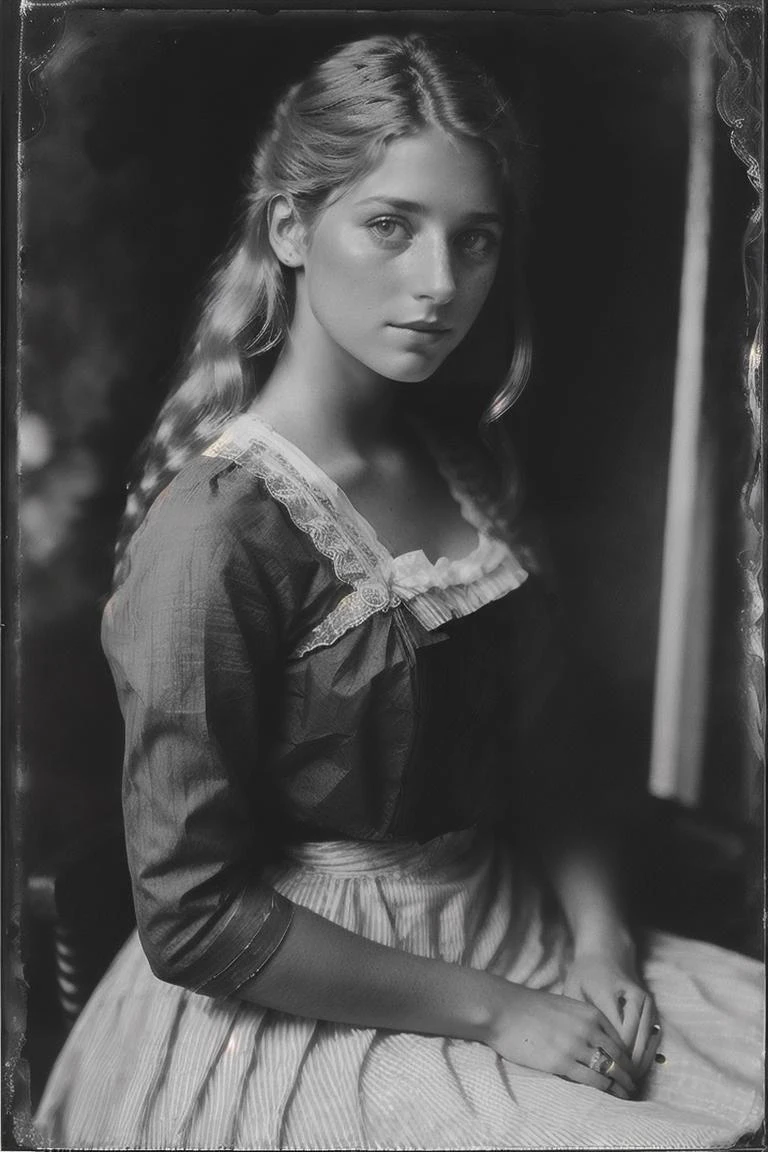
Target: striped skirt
150	1065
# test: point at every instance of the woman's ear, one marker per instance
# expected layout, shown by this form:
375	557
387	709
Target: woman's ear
286	233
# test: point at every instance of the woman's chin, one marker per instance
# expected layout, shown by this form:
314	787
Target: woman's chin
415	372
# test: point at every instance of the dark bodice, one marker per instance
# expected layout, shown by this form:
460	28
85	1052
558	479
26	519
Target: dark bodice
395	731
282	677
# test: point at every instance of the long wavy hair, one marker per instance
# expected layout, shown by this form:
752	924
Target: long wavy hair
325	134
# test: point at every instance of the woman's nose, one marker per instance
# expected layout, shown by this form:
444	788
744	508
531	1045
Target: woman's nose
434	276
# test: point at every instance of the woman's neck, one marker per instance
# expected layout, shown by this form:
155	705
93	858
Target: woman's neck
326	401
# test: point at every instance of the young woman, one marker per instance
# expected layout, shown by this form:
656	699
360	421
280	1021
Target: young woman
365	916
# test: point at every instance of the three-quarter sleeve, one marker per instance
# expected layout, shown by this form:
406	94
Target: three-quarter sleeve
192	637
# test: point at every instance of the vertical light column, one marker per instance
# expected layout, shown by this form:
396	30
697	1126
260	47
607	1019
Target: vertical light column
681	682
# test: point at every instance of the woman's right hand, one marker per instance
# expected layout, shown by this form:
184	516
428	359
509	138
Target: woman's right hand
559	1035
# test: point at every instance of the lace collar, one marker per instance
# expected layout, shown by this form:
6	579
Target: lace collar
434	592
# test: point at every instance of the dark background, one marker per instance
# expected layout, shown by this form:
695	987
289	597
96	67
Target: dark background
139	131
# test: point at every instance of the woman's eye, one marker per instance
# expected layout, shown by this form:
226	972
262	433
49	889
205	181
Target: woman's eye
387	228
478	243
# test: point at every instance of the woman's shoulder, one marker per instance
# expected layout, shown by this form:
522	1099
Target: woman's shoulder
212	515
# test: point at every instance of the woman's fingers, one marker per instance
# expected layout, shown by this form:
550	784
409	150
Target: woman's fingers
618	1054
643	1032
580	1074
647	1043
608	1003
633	1005
603	1036
620	1071
607	1027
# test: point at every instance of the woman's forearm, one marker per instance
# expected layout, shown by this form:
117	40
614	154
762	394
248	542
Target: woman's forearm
326	972
584	880
574	833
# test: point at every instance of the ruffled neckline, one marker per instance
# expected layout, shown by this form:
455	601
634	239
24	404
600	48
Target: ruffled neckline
434	591
413	566
415	572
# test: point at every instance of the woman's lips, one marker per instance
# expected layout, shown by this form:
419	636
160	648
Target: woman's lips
423	331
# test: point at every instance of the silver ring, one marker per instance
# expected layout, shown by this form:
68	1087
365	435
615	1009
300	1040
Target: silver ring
602	1062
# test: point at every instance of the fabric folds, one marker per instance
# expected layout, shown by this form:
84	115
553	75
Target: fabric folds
380	581
153	1066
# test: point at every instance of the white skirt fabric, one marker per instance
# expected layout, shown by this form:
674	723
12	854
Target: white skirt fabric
150	1065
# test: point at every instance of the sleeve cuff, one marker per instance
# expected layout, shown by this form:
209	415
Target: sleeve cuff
248	949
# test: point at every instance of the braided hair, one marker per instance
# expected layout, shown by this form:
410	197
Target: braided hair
325	134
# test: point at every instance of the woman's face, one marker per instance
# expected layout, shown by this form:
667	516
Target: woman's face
397	269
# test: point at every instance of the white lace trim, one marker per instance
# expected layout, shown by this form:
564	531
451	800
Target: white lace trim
433	592
437	593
